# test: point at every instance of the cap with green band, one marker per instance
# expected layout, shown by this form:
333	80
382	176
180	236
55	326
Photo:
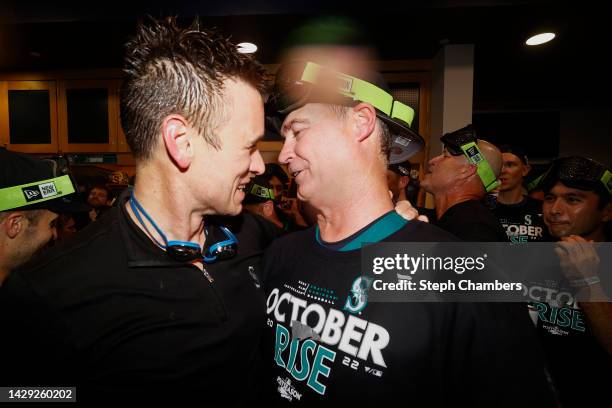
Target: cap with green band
576	172
299	83
360	90
28	183
33	193
261	191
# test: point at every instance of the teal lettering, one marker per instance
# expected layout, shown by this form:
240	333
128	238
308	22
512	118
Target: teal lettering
553	315
318	367
302	373
565	317
577	322
292	353
282	341
542	308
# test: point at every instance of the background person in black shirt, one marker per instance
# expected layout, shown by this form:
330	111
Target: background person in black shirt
577	206
518	213
458	188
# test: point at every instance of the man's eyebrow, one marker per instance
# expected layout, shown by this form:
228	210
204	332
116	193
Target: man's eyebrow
287	125
575	194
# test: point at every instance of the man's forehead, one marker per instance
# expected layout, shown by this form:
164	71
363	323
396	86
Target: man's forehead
562	189
510	157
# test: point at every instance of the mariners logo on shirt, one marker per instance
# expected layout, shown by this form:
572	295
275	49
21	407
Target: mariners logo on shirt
358	299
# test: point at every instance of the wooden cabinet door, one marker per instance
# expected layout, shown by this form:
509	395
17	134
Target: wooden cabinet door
88	115
28	116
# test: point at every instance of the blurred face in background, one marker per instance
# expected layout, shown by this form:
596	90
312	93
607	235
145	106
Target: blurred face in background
98	197
512	172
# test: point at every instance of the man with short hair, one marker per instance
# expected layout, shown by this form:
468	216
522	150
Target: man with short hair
459	178
31	196
398	177
519	214
327	344
148	303
577	207
259	200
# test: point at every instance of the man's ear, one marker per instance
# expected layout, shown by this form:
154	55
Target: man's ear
526	169
468	171
364	116
13	224
178	140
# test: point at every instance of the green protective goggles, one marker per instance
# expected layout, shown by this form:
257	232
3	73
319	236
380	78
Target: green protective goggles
300	83
485	172
34	193
464	142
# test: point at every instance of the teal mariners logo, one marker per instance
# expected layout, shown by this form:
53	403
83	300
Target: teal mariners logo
358	299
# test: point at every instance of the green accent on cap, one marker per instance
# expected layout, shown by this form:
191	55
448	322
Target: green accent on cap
485	172
606	179
261	191
360	90
37	192
534	184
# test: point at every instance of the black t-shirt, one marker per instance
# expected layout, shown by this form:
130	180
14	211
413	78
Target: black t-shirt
579	364
112	314
472	221
523	222
327	345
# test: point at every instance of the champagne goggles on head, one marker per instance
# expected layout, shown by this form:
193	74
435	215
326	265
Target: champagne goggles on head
576	172
300	83
465	143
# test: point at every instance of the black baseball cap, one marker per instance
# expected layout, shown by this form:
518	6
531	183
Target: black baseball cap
403	168
300	82
578	172
515	150
27	183
258	190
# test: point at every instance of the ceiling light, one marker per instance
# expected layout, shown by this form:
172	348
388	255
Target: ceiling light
247	48
540	39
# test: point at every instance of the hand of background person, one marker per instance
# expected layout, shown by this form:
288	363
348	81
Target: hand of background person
577	257
407	211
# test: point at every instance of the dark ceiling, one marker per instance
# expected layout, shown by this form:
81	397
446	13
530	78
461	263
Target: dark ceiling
41	35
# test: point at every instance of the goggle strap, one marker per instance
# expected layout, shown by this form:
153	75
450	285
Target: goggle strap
485	172
360	90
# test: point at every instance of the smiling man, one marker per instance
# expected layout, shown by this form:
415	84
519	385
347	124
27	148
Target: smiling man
138	308
327	345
